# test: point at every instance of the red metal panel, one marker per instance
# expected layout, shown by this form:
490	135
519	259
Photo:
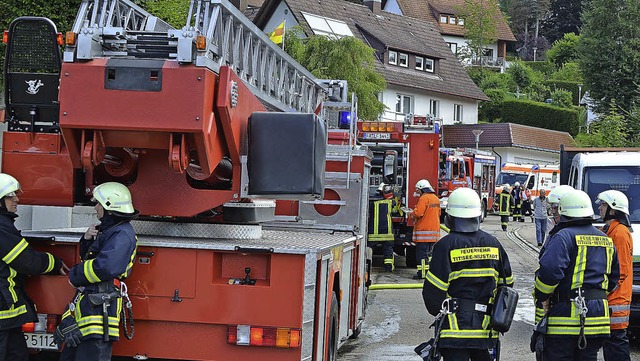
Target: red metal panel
42	166
423	164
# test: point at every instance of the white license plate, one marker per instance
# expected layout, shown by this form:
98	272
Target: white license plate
377	136
40	340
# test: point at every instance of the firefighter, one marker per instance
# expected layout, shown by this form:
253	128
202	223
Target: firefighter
553	198
380	224
516	208
614	210
426	230
575	274
505	203
18	261
107	252
466	267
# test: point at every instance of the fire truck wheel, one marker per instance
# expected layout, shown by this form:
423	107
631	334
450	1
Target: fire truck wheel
410	256
334	323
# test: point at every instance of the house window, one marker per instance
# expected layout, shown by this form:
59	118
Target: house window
452	20
332	28
460	21
434	108
419	63
403	104
457	113
453	47
429	65
444	19
403	60
393	58
486	52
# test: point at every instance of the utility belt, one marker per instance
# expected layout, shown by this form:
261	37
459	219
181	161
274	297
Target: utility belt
588	294
467	305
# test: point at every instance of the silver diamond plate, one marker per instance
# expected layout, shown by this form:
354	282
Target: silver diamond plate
309	302
197	230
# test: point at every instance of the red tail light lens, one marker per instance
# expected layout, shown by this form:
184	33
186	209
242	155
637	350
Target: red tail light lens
29	327
5	36
52	323
264	336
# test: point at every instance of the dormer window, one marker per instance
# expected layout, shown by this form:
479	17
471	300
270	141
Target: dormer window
393	58
460	21
444	19
452	20
429	65
403	60
419	63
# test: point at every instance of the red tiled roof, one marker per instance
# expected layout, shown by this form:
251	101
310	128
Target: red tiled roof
506	135
430	9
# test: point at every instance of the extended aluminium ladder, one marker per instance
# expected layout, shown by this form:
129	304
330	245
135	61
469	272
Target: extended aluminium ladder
215	34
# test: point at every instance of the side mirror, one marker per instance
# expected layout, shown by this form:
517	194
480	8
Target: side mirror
390	169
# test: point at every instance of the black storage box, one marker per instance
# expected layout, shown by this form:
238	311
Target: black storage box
287	154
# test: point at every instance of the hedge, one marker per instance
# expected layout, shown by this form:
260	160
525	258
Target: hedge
540	115
571	86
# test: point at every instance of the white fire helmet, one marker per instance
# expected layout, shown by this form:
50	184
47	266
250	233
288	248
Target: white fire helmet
556	193
464	203
576	204
615	199
114	196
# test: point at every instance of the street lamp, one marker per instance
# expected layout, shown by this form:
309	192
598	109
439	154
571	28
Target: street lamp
579	93
476	133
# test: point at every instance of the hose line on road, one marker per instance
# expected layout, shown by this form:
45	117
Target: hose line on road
394	286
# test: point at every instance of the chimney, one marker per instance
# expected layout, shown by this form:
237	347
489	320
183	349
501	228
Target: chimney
240	4
374	5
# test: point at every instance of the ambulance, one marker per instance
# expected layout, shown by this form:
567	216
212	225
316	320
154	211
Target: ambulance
534	177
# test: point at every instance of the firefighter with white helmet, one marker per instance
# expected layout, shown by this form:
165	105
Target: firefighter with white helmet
466	267
505	204
107	252
19	260
426	230
381	225
554	200
613	207
576	272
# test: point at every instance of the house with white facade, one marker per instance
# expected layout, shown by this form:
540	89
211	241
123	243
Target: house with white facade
448	15
423	76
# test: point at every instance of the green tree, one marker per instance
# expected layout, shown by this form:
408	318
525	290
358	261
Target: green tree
346	58
562	98
564	50
608	131
480	22
172	11
610	52
568	72
563	17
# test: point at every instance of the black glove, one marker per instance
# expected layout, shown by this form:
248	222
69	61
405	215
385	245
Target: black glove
68	333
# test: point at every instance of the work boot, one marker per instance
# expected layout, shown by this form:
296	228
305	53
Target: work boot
417	276
521	220
504	228
388	268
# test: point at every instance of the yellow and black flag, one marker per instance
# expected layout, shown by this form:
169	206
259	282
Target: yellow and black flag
277	36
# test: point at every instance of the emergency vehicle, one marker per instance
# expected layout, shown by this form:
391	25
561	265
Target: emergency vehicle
467	167
534	177
222	270
403	153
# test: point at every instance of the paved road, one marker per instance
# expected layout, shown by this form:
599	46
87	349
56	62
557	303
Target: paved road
397	320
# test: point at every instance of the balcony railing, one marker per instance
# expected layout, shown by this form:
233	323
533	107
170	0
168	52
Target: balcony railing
489	61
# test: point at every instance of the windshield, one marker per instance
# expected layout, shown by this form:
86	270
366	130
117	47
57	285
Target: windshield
511	178
624	179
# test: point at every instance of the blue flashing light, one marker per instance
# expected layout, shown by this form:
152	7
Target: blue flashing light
344	119
535	167
436	128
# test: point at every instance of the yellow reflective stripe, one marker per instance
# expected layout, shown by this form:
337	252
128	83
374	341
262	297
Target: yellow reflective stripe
605	282
12	284
66	314
485	321
474	272
578	270
436	281
89	273
52	263
473	254
453	321
13	312
543	287
583	240
509	280
466	334
575	321
600	330
96	319
98	330
15	251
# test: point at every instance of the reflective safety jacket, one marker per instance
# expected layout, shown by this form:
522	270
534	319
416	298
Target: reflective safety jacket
577	257
468	267
505	202
427	216
106	258
620	298
18	260
380	224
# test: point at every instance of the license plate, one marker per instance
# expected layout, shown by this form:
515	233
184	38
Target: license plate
377	136
40	340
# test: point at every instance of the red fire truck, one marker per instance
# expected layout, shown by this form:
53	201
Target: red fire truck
467	167
403	153
222	271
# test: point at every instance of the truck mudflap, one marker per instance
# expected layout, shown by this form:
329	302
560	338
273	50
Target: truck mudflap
191	298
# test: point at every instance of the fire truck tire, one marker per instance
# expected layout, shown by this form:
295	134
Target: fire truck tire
410	255
334	324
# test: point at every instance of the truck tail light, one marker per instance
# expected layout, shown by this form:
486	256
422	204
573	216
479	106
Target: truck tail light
366	127
46	323
390	127
245	335
52	323
70	38
60	39
5	36
29	327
